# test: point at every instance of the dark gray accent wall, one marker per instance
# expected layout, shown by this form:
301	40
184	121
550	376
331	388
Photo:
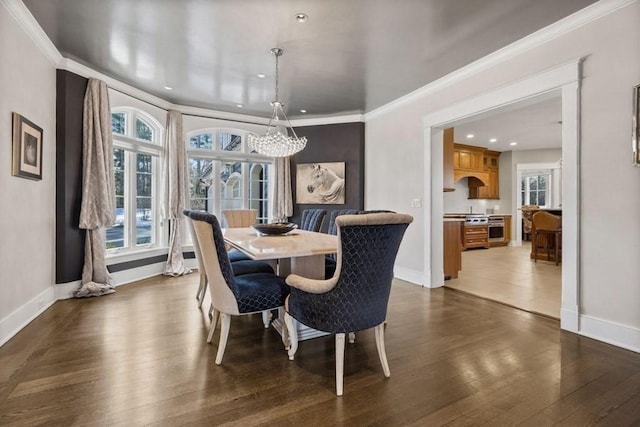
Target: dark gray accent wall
69	238
342	142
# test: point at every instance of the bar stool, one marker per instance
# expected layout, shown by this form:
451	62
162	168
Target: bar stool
550	226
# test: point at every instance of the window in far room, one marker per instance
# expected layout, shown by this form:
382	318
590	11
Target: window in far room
136	162
535	189
223	174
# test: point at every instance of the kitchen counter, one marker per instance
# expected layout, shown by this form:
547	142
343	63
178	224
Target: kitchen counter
446	219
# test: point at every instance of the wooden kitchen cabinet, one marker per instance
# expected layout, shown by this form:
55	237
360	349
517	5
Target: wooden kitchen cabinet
452	238
491	163
447	157
475	236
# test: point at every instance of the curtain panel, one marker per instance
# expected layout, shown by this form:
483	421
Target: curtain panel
282	200
175	176
98	194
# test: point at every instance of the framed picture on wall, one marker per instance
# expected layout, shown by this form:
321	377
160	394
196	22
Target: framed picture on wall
320	183
635	133
27	148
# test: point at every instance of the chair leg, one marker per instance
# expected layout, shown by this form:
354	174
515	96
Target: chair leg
202	290
352	337
214	321
293	335
379	333
199	292
339	364
534	241
266	318
225	322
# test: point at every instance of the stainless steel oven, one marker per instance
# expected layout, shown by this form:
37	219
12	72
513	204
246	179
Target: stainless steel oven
496	229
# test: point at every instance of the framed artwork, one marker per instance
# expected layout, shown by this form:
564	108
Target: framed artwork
635	132
27	148
320	183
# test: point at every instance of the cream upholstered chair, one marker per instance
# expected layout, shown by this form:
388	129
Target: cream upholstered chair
232	295
239	268
356	297
238	218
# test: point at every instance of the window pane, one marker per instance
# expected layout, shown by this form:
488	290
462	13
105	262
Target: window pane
143	131
230	142
144	221
200	181
116	233
542	182
533	198
118	124
230	182
259	189
542	198
204	140
533	184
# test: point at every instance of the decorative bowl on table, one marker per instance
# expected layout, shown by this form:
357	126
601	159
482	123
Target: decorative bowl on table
277	228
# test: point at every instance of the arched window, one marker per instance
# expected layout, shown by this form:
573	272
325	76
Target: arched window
136	154
221	172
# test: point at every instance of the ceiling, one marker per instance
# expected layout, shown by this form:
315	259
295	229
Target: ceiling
534	124
349	57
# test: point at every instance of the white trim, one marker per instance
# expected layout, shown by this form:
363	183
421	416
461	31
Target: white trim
565	78
569	319
582	17
409	275
610	332
23	315
329	120
25	19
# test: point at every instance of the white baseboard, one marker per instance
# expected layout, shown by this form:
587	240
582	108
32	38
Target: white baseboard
569	320
409	275
23	315
610	332
124	277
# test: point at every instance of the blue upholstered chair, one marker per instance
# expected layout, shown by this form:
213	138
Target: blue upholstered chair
330	260
312	219
356	297
232	295
239	265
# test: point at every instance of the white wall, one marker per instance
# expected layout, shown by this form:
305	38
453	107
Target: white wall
611	46
27	251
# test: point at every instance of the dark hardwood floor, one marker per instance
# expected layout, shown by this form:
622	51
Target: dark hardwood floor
139	357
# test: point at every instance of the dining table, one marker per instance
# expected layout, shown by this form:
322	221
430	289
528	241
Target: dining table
299	252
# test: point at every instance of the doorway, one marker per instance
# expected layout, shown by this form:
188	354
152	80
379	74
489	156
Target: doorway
563	80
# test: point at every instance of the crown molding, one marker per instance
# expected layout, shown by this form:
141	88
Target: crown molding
25	19
331	120
540	37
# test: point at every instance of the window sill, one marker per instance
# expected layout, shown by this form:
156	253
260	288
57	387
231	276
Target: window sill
133	255
119	257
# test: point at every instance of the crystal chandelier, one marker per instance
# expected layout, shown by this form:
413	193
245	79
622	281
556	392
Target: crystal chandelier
274	143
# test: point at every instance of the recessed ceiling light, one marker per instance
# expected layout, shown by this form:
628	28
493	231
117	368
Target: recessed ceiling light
301	17
513	143
168	88
261	76
303	111
470	136
493	140
239	105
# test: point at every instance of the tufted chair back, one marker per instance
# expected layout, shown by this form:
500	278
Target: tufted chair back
312	219
332	229
239	218
362	281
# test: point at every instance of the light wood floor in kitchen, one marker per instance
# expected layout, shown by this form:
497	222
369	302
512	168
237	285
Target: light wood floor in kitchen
509	276
139	357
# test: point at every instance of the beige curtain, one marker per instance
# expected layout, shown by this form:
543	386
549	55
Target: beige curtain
97	209
282	201
175	175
